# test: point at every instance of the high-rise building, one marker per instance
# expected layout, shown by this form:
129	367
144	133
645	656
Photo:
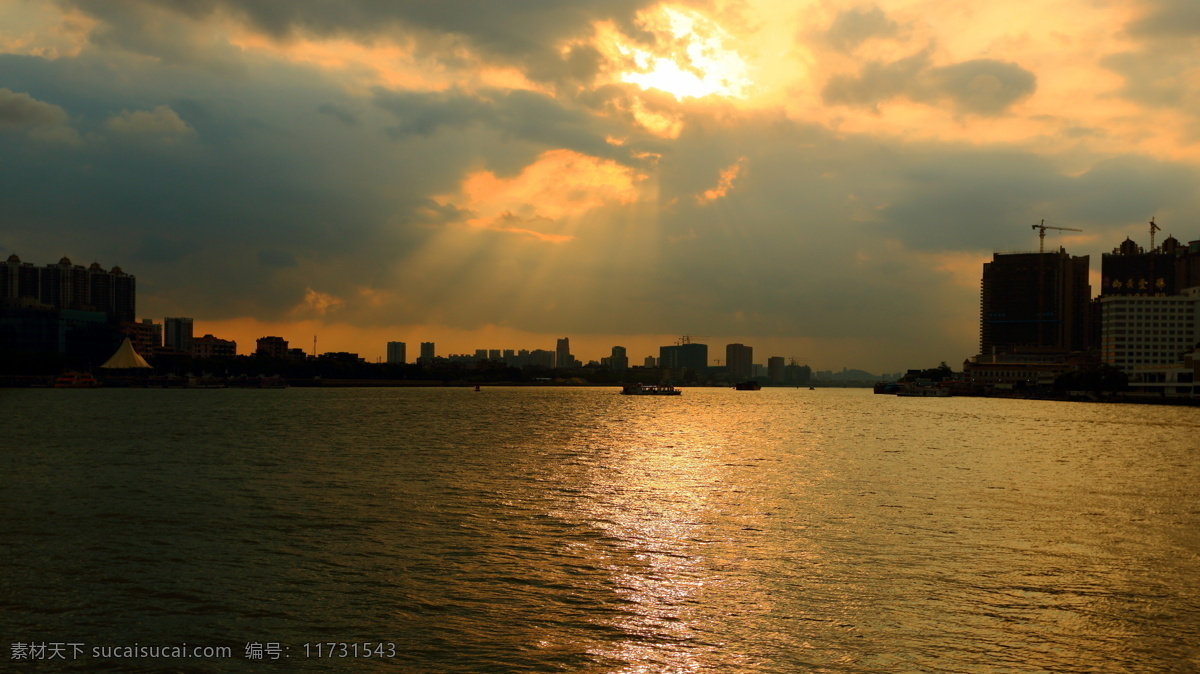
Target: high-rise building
427	352
775	365
1130	270
1034	301
1140	331
680	357
177	333
618	360
739	360
70	287
396	353
562	354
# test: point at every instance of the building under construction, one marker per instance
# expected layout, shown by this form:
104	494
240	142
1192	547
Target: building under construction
1034	302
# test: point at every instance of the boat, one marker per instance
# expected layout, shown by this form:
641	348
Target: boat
748	386
73	379
924	392
649	390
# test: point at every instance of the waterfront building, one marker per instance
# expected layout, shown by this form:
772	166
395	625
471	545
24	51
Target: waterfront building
562	354
209	346
1177	380
177	334
272	347
775	365
686	356
67	286
618	360
427	353
1131	270
396	353
1138	331
145	337
481	354
1017	372
1034	301
739	361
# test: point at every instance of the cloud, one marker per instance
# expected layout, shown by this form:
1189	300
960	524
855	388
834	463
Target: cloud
852	27
560	186
724	184
1168	19
19	110
41	120
980	86
162	122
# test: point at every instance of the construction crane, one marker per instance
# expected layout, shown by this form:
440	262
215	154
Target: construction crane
1153	228
1042	234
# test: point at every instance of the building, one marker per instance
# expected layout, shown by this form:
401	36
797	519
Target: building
427	353
213	347
1130	270
271	347
775	365
177	334
739	360
1034	301
618	360
1142	331
146	337
686	356
396	353
562	354
66	286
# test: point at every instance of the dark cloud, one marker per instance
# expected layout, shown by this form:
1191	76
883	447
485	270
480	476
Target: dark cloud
1168	19
852	27
878	82
980	86
339	113
20	110
521	33
528	116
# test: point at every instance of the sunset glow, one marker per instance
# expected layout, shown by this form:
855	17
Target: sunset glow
522	165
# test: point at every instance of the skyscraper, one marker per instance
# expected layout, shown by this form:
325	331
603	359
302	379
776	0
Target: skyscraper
427	353
1032	301
562	354
739	359
396	353
680	357
619	360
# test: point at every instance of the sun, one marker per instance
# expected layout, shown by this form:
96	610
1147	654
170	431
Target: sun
691	60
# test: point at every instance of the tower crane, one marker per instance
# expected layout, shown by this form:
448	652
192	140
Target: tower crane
1153	228
1042	234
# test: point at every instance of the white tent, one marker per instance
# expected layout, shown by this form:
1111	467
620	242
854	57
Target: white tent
125	358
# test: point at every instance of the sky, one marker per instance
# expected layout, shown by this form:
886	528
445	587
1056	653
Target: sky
819	180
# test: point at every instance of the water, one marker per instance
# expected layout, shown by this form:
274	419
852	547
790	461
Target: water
577	530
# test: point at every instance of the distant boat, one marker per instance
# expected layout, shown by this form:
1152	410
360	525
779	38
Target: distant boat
649	390
748	386
73	379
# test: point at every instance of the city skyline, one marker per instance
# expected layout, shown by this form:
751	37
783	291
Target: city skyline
821	181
